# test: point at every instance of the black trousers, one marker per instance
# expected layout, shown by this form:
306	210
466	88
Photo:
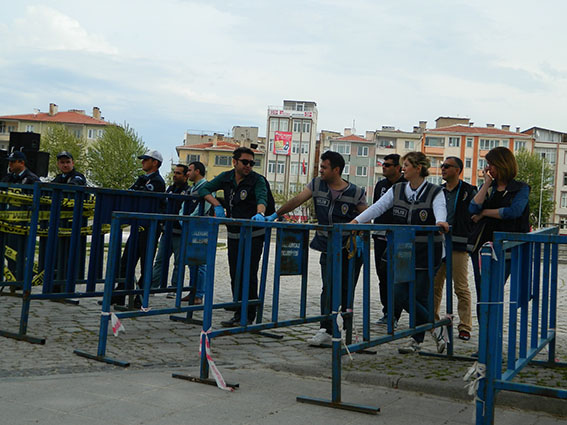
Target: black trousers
255	254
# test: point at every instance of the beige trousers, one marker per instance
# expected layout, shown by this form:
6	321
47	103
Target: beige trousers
460	287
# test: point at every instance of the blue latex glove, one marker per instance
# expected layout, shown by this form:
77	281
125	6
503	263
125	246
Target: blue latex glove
359	246
258	217
272	217
219	211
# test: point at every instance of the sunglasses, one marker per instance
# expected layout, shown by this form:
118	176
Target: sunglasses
445	166
387	165
246	162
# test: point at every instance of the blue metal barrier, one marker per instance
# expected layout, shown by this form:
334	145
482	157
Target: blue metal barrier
532	300
401	269
198	242
48	207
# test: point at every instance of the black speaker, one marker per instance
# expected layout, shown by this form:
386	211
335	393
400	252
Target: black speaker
26	140
37	162
3	163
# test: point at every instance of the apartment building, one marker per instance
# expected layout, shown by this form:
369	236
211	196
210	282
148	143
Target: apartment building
216	155
360	159
240	135
459	137
76	121
551	145
291	135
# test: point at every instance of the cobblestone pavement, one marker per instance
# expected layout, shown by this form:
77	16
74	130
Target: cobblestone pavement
157	342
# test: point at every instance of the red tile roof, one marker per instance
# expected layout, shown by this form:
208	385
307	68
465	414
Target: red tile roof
475	130
69	117
220	146
351	138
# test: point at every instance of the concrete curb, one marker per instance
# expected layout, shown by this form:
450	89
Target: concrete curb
447	389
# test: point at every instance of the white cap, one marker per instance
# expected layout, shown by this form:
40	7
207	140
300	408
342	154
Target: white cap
152	155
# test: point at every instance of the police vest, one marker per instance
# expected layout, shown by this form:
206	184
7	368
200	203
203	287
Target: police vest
329	211
240	201
418	212
73	178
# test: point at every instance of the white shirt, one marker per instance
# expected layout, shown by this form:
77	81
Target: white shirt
387	201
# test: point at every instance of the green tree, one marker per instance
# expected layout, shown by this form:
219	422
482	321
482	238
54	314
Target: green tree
113	159
530	171
57	139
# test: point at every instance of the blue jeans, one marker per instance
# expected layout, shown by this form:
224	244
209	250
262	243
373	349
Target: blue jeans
160	259
198	275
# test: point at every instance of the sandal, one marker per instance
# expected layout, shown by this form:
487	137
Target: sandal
464	335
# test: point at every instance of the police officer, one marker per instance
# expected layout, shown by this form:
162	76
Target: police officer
245	196
336	201
152	181
68	175
19	173
392	172
179	187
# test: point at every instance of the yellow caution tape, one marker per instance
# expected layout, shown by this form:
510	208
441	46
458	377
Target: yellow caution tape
38	279
8	275
10	253
63	231
11	216
17	198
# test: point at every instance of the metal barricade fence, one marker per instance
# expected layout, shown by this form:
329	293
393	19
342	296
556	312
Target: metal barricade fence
199	240
52	254
531	324
401	259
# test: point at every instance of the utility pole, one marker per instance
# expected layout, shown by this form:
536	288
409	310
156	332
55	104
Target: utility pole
541	189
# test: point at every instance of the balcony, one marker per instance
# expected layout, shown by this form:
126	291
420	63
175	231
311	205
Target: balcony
434	150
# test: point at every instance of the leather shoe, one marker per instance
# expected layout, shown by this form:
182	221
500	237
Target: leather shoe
234	322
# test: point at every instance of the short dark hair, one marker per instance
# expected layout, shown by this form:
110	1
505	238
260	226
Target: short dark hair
457	160
336	160
394	157
199	166
239	151
185	167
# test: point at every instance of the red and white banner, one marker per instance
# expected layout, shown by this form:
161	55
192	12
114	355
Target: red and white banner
282	143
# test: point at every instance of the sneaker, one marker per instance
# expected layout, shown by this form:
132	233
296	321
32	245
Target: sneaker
438	335
171	295
321	338
383	320
412	346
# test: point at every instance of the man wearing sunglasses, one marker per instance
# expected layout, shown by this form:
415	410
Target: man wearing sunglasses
245	196
458	195
392	171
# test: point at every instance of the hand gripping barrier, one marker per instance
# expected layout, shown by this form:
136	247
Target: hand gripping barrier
199	246
401	271
45	231
531	325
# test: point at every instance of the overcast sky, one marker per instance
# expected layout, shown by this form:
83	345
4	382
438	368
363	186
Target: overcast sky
171	65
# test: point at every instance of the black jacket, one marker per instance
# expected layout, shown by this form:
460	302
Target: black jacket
74	178
462	224
27	177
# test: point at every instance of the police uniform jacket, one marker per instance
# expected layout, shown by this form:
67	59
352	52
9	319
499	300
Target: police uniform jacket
27	177
418	212
329	211
387	218
462	224
73	178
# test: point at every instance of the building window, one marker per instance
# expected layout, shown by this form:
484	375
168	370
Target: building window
258	163
468	180
274	124
99	133
284	124
435	162
271	166
481	164
480	182
548	154
519	145
346	170
454	142
362	151
222	160
306	126
468	162
295	146
192	158
281	167
271	145
305	148
563	203
564	179
294	171
361	171
342	148
410	144
78	134
297	126
91	134
487	144
279	187
2	127
435	179
563	222
29	127
435	142
300	107
387	144
469	142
